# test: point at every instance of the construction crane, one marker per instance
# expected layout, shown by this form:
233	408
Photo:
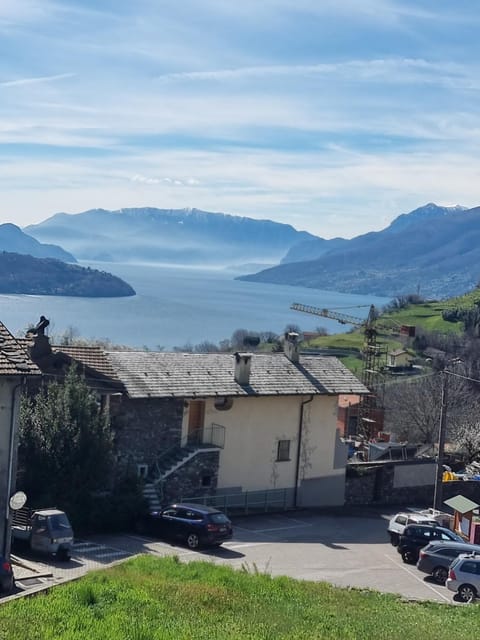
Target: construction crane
372	354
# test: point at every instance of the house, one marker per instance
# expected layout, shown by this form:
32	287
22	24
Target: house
15	368
220	424
399	358
233	424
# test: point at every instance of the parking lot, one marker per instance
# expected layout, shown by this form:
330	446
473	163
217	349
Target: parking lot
346	550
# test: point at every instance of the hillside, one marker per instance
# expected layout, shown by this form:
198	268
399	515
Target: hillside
47	276
14	240
436	253
175	236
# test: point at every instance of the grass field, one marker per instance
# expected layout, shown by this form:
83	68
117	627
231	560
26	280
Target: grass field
426	316
150	598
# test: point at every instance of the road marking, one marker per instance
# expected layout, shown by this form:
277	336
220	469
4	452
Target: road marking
242	545
295	526
425	584
88	547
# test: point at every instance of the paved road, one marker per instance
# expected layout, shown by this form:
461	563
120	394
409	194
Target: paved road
343	550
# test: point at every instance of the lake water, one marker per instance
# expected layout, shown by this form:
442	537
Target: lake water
177	306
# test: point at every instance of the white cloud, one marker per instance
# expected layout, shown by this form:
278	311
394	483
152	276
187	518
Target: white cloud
26	81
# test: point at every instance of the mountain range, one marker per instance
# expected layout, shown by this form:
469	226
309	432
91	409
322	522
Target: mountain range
433	250
175	236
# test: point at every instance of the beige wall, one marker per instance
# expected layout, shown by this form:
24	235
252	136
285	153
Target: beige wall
253	427
6	397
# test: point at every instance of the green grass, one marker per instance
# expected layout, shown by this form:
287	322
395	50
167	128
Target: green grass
152	598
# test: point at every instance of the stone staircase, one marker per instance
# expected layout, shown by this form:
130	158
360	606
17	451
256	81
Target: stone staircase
168	464
151	496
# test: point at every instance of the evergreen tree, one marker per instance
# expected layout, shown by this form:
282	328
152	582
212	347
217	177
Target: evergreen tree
65	447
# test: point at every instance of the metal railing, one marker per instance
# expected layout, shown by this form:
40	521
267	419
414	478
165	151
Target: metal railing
246	502
213	435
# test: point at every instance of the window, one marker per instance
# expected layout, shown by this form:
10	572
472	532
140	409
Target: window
470	567
206	481
283	450
402	520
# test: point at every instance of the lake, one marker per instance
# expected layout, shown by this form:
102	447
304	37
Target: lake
175	306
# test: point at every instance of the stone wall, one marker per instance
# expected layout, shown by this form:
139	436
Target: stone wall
378	483
468	489
197	478
145	428
405	482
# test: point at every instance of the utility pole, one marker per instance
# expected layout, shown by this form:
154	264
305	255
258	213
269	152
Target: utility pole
438	493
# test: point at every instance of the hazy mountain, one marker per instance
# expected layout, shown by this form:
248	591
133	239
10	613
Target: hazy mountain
312	249
435	250
13	239
177	236
48	276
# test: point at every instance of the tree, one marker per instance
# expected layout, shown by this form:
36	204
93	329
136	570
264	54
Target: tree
464	430
412	408
65	446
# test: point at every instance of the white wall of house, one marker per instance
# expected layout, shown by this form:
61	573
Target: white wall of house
7	387
253	428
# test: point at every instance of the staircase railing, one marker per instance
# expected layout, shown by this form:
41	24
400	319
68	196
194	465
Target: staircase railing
213	435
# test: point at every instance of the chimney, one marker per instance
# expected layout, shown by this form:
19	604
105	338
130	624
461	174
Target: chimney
40	347
243	363
290	346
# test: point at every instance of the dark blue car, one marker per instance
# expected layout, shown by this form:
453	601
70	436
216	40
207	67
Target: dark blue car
196	525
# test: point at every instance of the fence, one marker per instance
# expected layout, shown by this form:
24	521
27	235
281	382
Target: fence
248	502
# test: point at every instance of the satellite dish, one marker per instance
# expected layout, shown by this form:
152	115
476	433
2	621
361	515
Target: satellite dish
18	500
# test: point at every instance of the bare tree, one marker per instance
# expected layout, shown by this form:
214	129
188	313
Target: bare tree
412	408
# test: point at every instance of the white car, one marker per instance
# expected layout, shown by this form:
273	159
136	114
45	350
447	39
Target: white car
398	523
464	577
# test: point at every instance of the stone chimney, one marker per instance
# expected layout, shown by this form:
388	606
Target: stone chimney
290	346
40	347
243	364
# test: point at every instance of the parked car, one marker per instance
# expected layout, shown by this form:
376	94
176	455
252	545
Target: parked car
6	575
464	577
436	558
194	524
398	523
417	536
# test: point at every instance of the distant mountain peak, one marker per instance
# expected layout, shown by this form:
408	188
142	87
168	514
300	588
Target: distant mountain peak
426	212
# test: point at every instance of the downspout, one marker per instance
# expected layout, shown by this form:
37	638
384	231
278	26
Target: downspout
299	449
13	420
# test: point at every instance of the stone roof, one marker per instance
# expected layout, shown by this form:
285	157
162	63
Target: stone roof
91	356
14	360
158	374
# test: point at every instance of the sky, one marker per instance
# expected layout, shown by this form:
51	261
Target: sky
334	116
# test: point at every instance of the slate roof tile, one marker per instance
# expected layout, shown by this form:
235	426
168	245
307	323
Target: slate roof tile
159	374
14	360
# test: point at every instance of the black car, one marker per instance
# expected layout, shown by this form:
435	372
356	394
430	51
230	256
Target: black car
194	524
6	576
417	536
436	558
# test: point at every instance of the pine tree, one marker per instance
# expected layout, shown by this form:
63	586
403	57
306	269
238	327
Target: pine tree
65	446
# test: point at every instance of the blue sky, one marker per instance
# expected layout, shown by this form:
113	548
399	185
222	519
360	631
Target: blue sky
332	115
